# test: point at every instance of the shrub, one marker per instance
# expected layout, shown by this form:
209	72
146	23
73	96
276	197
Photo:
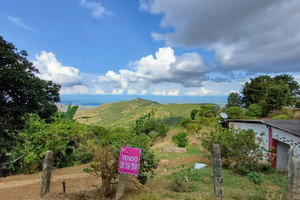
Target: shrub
255	177
180	139
239	148
281	116
208	110
254	110
106	148
191	128
62	136
235	112
186	121
193	114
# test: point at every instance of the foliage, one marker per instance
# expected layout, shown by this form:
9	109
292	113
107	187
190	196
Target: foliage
278	96
186	121
106	146
192	128
180	139
234	99
70	113
62	136
255	177
208	110
171	121
21	91
193	114
281	116
239	148
297	105
148	123
125	113
254	110
235	112
271	93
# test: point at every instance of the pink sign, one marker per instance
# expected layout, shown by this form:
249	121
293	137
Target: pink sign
129	160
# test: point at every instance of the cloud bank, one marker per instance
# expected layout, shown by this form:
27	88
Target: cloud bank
257	36
187	70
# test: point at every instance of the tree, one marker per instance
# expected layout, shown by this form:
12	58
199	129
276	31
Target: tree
208	110
292	84
235	112
254	110
234	99
271	93
256	90
21	92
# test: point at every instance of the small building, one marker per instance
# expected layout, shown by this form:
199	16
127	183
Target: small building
279	136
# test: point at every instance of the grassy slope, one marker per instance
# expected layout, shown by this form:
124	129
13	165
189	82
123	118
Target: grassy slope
125	113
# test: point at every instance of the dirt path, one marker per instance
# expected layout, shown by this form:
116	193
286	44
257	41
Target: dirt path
28	186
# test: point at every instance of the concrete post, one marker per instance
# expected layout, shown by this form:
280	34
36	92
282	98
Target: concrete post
293	188
47	168
217	173
121	186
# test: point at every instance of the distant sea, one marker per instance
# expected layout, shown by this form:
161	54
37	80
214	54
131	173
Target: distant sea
97	100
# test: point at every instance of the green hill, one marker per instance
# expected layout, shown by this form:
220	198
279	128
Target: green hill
125	113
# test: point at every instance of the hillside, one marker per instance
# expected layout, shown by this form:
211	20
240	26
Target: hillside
125	113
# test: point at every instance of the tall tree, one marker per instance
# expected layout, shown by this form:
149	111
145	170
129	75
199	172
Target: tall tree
271	93
293	85
21	91
234	99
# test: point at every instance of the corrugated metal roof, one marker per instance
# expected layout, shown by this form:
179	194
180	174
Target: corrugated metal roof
290	126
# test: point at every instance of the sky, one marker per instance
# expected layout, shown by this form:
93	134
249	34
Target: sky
155	47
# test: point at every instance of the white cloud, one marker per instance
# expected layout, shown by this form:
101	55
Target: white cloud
51	69
257	36
188	70
98	10
76	89
200	92
173	92
19	23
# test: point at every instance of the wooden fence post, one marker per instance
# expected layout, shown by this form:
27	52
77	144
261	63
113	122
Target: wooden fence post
47	167
217	167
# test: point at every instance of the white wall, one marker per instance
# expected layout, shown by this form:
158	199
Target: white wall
257	128
287	138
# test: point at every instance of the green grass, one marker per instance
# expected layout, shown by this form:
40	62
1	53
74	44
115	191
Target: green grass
235	186
190	151
125	113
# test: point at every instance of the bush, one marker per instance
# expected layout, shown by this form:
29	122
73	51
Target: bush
208	110
106	148
281	116
255	177
193	114
62	136
239	148
180	139
186	121
171	121
191	128
254	110
235	112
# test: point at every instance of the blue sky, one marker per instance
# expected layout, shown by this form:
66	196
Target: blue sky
155	47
